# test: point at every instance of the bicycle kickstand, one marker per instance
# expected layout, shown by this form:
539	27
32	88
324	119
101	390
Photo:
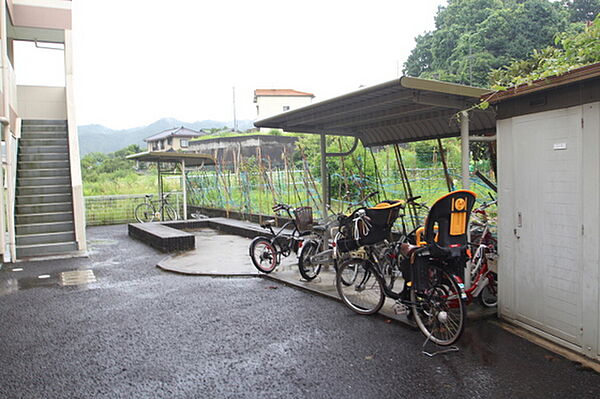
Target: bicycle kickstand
452	348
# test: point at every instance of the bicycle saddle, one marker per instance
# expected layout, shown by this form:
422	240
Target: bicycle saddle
268	223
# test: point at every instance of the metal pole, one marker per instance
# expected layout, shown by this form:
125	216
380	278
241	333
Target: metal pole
183	182
324	185
464	141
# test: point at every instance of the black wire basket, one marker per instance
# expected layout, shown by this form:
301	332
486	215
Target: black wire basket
304	218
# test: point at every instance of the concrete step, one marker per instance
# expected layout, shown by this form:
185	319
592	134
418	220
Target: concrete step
43	190
49	217
38	122
47	149
43	128
45	238
42	142
43	198
31	165
30	251
43	181
29	209
42	228
58	156
52	172
43	135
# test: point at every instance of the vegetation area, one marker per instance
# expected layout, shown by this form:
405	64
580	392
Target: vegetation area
474	37
496	43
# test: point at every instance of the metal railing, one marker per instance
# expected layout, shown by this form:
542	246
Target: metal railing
118	209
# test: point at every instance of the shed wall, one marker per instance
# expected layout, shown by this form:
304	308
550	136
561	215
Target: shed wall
548	231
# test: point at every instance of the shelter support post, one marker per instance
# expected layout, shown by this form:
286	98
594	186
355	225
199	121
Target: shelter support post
324	183
464	141
183	183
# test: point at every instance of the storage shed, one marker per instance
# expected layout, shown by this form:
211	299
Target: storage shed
548	137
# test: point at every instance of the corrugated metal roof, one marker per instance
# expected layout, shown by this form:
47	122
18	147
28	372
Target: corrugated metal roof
177	131
401	110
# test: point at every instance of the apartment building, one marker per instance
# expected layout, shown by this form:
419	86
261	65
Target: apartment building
43	208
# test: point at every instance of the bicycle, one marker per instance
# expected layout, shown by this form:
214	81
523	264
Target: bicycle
433	288
318	250
266	252
149	210
484	279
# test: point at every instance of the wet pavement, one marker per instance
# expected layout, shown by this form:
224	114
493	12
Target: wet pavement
206	260
137	331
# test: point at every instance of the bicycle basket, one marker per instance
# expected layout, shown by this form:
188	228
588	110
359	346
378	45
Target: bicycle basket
304	218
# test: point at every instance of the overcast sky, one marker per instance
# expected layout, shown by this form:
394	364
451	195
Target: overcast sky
140	60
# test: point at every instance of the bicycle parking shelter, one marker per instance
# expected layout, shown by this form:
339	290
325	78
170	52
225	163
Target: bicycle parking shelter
548	140
399	111
183	159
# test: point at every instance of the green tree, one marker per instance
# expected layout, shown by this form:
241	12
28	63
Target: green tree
573	51
582	10
473	37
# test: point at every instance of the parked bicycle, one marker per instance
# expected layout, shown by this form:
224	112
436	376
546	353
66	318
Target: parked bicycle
484	280
266	251
160	209
433	288
318	250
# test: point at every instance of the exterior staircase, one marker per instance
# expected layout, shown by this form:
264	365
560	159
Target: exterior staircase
44	202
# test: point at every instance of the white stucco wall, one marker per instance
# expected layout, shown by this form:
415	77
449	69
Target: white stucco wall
272	105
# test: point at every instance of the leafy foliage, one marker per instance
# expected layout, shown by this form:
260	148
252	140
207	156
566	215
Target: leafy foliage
473	37
574	50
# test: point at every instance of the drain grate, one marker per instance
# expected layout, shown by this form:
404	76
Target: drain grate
77	277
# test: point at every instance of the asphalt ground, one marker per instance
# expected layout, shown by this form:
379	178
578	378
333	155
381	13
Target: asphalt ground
139	332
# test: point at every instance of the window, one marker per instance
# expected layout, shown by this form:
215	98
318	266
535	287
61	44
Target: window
184	143
170	140
286	108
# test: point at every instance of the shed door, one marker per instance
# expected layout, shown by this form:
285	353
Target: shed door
548	220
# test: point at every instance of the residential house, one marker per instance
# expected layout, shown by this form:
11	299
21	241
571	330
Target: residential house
271	102
175	139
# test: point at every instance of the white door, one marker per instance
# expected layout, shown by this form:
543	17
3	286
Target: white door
548	222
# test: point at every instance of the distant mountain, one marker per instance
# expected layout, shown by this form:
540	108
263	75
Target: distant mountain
98	138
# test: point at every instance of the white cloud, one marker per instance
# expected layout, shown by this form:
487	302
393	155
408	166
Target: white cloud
140	60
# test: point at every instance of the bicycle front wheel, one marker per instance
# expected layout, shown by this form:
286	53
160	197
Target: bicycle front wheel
308	269
438	308
359	288
144	213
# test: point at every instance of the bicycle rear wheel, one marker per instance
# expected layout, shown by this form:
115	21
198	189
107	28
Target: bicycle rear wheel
263	254
438	309
144	212
359	288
